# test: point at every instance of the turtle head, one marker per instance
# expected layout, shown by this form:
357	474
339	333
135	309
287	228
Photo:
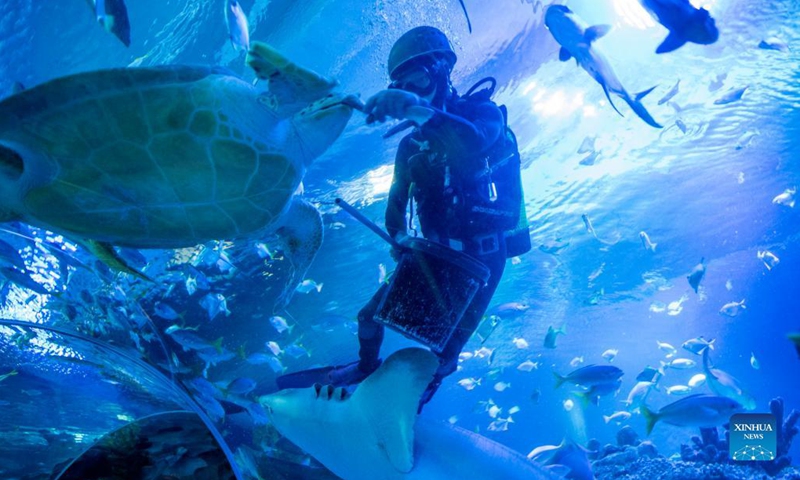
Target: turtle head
320	124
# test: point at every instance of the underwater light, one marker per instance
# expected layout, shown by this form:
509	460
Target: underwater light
632	13
381	179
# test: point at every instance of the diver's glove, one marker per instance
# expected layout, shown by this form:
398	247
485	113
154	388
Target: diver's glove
399	104
401	238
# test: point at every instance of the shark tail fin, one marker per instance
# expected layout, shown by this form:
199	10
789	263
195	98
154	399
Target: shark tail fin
389	399
639	96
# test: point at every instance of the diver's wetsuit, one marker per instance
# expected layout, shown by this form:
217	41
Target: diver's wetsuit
462	135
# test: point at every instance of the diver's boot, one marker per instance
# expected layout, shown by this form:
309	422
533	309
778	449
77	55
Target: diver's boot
351	373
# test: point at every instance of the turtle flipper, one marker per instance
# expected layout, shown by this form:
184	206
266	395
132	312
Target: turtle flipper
293	87
106	253
301	234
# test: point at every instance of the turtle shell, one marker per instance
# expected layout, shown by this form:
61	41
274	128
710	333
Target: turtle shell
161	157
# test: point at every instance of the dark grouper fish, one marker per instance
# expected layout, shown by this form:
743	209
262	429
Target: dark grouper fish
684	22
576	39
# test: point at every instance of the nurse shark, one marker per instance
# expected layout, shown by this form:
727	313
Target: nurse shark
576	39
375	432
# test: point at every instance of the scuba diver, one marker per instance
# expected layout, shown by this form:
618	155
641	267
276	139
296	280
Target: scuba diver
461	166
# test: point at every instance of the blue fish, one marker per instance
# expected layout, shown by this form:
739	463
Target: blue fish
684	22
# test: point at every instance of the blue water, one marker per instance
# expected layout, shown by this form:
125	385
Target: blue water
703	193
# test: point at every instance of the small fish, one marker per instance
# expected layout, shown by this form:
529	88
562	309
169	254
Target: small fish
731	96
773	43
697	274
740	178
501	386
576	361
527	366
493	410
610	354
697	345
214	304
593	276
679	364
509	310
240	386
754	361
732	309
520	343
667	348
258	358
452	420
238	30
676	307
786	198
649	374
296	351
672	92
552	335
469	383
658	307
678	390
746	139
770	259
463	356
500	425
588	224
309	285
484	352
728	285
587	145
191	285
717	82
590	376
166	312
280	324
697	380
113	16
568	404
638	394
274	348
618	417
646	243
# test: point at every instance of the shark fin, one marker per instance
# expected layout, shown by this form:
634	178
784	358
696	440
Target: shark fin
672	42
639	96
564	54
596	31
605	89
389	398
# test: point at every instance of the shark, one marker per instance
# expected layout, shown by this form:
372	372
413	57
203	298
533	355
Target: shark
577	41
375	432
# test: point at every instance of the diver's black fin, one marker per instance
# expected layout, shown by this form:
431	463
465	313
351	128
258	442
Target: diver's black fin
305	378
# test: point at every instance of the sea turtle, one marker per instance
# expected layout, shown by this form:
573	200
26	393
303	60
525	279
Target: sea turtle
169	157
